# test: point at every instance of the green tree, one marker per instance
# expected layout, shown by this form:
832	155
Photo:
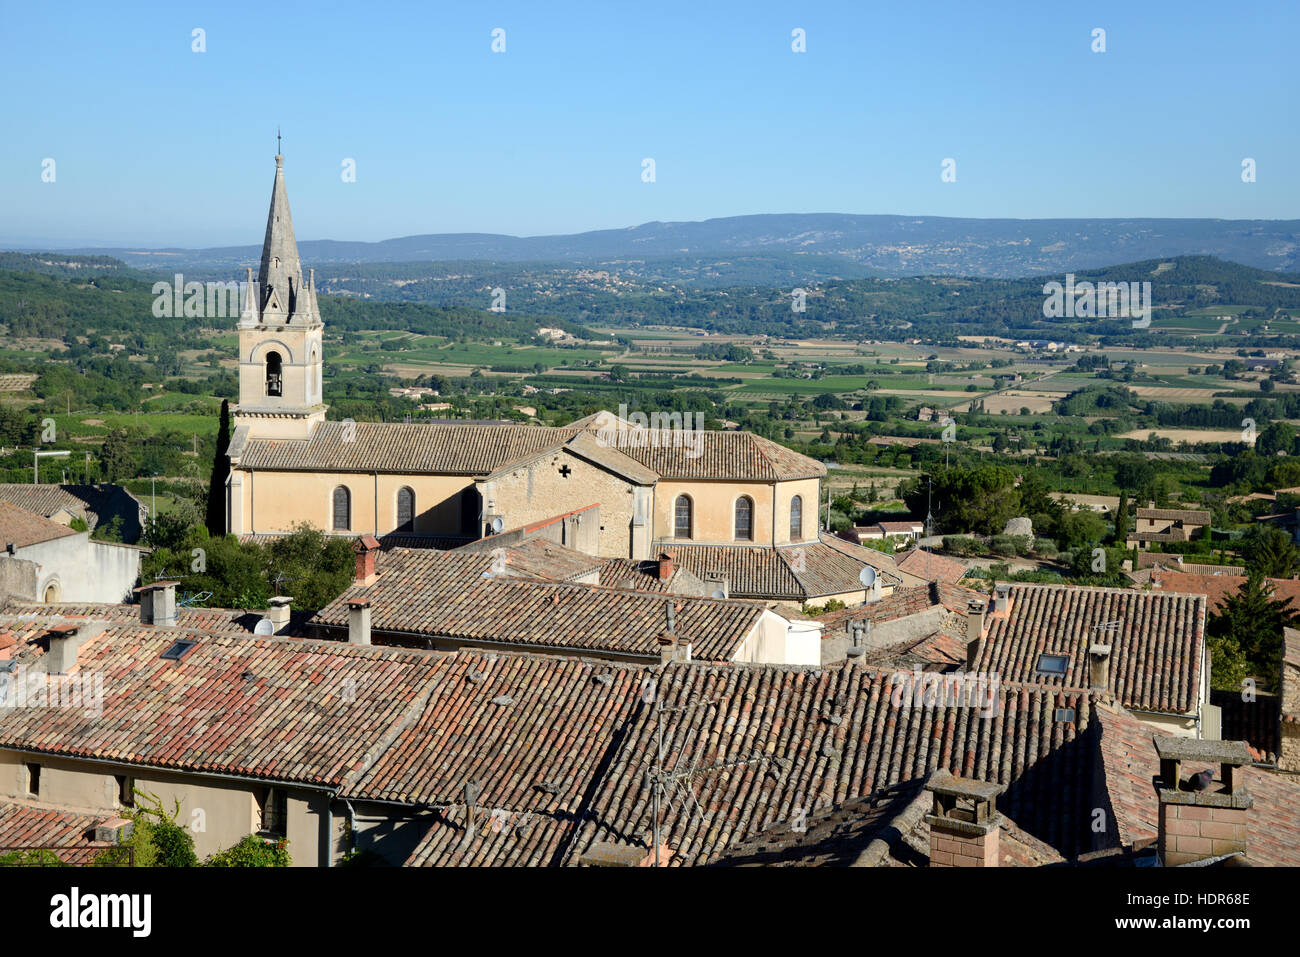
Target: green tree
1245	635
1269	552
216	510
1121	518
116	458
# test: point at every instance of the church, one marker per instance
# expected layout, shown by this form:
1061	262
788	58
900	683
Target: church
725	502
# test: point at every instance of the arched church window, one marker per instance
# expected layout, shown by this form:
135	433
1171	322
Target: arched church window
342	509
745	518
405	510
682	517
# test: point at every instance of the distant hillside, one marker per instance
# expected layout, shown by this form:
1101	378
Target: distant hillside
827	245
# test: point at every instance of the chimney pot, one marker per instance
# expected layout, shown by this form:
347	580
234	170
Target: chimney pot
278	611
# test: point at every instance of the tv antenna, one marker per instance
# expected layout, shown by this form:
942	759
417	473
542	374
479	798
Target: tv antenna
663	779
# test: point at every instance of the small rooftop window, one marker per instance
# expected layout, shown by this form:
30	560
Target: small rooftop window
1052	664
178	650
1064	715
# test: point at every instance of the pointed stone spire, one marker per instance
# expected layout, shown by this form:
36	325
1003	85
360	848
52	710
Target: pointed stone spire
279	280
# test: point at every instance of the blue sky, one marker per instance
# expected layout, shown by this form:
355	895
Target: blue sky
157	145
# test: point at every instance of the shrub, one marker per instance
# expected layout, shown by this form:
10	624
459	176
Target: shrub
1045	547
960	545
253	851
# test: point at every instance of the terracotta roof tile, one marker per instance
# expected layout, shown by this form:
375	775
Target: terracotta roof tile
1157	646
301	711
22	528
459	596
754	745
483	449
69	835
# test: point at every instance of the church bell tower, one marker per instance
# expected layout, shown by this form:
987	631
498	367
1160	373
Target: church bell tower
280	334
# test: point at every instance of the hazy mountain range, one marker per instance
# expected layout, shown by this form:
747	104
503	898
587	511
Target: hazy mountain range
828	245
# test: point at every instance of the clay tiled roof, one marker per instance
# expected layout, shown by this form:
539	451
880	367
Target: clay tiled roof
94	503
1218	587
931	567
1156	648
22	528
887	829
1255	722
399	447
300	711
755	745
538	558
483	449
1131	765
70	836
458	596
531	730
1191	516
903	603
900	528
641	576
228	621
796	573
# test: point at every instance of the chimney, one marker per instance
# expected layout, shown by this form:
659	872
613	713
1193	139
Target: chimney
114	830
717	581
64	645
471	805
158	604
1207	822
611	854
671	646
359	622
1002	599
1099	666
278	611
964	822
974	632
665	566
365	548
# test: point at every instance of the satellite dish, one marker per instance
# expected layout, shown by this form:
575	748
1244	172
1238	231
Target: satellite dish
497	525
867	576
264	627
718	593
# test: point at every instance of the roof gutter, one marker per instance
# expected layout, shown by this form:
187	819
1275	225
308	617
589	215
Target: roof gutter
331	790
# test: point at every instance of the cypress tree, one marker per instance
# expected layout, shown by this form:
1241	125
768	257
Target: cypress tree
216	517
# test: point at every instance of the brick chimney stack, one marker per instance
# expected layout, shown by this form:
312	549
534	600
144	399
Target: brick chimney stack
665	566
365	548
964	824
1195	825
